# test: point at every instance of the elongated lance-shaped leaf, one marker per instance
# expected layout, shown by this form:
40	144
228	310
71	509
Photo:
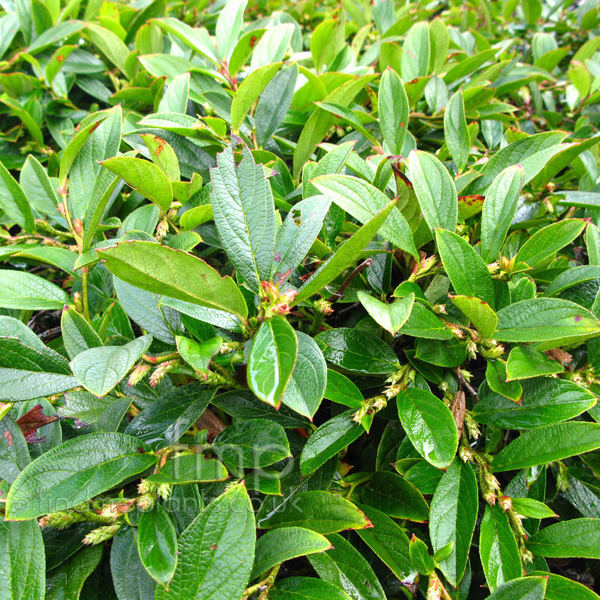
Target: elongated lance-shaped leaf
393	111
456	131
14	202
244	213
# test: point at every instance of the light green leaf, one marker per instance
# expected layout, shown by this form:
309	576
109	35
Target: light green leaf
456	132
393	111
577	538
415	52
24	291
14	202
306	588
480	313
390	316
190	468
523	588
198	355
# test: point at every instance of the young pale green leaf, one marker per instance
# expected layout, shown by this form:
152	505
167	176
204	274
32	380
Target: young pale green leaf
342	390
249	91
394	496
143	176
422	323
306	588
415	52
272	360
543	401
419	556
393	111
465	268
326	41
495	375
548	240
390	316
547	444
286	543
24	291
99	370
157	544
162	155
577	538
306	387
453	515
525	362
388	540
74	472
429	425
254	443
528	507
173	273
357	351
498	548
347	569
191	468
435	190
318	511
78	334
23	573
229	25
14	202
220	540
329	439
456	133
244	214
499	210
345	255
523	588
198	355
553	321
480	313
130	579
363	201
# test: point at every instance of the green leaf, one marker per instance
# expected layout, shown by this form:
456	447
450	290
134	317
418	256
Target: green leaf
544	401
306	387
553	321
326	41
346	568
157	544
548	444
219	540
435	190
456	132
548	240
173	273
525	362
14	454
249	91
394	496
329	439
499	210
523	588
577	538
36	184
561	588
14	202
286	543
23	573
390	316
429	425
422	323
272	360
99	370
415	52
498	548
528	507
191	468
495	375
163	156
363	201
393	111
144	177
419	556
344	256
67	581
229	25
74	472
244	214
388	540
306	588
25	291
110	45
197	355
480	313
255	443
343	391
78	334
130	579
465	268
357	351
453	515
572	277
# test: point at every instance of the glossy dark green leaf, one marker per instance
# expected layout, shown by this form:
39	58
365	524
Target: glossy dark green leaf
191	468
157	544
342	390
220	540
272	360
577	538
523	588
547	444
67	580
318	511
495	376
306	588
75	471
453	515
357	351
130	579
429	424
498	548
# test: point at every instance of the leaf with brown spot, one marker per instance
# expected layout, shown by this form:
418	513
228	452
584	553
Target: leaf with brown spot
31	421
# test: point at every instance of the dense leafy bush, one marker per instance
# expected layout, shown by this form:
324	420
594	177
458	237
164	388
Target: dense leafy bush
299	300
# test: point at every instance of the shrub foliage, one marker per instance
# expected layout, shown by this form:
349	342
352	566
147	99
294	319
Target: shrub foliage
299	300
